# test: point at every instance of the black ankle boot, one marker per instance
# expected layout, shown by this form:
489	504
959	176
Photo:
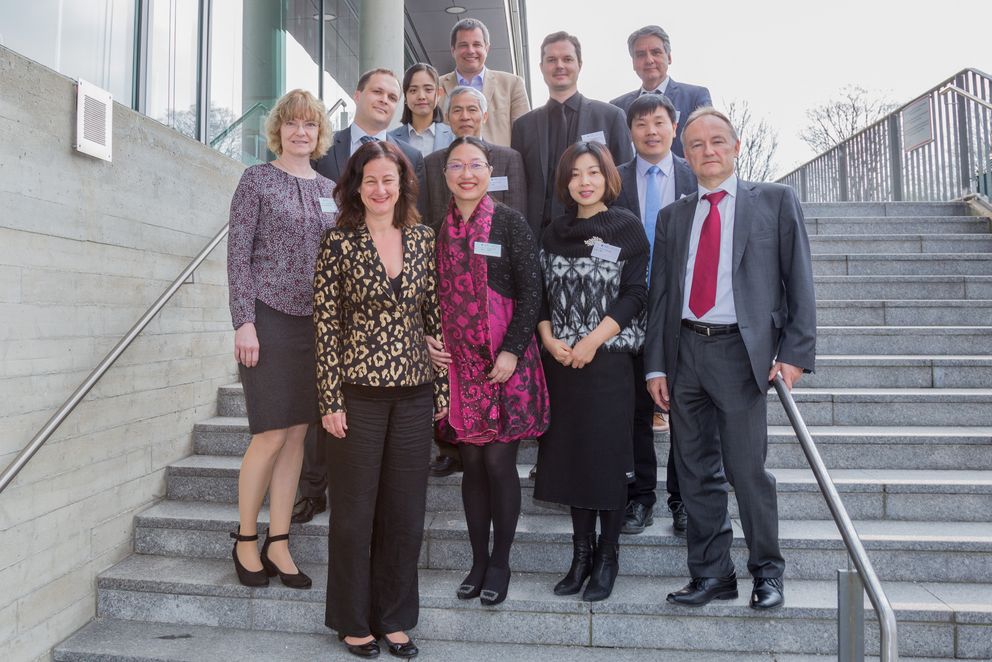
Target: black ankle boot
604	571
582	553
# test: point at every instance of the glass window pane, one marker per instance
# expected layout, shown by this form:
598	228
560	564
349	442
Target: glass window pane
172	61
89	40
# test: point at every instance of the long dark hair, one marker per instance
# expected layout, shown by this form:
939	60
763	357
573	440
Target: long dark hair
351	210
407	116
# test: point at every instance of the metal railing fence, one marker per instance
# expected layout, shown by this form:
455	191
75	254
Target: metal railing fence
937	147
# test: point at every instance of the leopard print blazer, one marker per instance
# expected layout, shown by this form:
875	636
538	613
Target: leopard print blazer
366	334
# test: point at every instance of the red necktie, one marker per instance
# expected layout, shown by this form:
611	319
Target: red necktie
702	296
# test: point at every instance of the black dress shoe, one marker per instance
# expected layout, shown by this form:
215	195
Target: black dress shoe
701	590
247	577
406	649
297	580
495	586
636	518
679	518
368	649
444	465
768	593
305	509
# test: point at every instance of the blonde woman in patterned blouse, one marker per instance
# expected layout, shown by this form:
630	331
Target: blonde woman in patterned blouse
375	301
278	215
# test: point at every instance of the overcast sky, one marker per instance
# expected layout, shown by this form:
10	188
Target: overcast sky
783	57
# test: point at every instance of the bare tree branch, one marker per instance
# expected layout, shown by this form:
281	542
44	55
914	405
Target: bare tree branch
853	109
759	142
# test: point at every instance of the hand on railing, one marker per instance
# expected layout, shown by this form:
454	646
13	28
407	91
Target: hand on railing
790	373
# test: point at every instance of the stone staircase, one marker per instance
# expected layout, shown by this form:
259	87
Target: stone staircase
900	406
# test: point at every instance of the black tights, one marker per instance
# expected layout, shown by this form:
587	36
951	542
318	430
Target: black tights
490	494
610	522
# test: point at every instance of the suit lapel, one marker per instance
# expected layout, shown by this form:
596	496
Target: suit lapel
683	216
342	149
586	121
542	133
685	181
628	184
742	219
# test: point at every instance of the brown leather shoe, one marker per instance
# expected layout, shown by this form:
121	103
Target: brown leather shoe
659	423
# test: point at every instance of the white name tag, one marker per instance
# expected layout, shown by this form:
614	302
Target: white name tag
595	137
497	184
328	206
489	250
605	251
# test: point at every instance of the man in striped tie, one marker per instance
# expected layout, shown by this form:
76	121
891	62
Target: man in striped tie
730	306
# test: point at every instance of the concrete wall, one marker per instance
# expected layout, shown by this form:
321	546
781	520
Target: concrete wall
85	247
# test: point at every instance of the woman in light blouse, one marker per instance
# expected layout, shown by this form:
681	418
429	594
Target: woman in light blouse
422	123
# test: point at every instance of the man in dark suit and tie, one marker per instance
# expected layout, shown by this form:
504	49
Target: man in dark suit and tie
543	134
730	306
651	52
376	97
651	181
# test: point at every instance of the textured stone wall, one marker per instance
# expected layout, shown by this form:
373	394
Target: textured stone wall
85	247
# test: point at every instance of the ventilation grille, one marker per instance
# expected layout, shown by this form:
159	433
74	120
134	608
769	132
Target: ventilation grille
94	115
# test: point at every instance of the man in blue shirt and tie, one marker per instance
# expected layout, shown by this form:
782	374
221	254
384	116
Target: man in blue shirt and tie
652	180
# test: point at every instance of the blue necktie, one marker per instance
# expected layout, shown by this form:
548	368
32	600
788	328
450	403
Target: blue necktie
365	140
652	205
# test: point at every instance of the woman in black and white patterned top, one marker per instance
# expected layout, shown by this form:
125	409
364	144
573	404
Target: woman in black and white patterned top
594	260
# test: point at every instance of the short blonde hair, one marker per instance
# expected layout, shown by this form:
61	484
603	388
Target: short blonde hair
298	104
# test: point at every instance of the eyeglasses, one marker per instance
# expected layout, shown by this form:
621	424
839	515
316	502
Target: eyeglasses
475	167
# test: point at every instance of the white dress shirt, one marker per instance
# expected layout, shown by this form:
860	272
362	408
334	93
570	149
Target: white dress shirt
667	167
422	141
357	133
663	87
723	311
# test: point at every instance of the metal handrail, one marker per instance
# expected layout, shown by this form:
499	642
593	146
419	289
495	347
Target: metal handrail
63	412
950	87
236	123
888	650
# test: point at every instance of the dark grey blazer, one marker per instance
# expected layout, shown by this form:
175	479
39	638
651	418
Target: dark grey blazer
332	164
772	281
506	162
685	184
685	97
530	137
442	134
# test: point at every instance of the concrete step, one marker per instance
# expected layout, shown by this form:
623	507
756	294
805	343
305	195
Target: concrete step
904	340
887	209
901	243
900	371
822	225
909	312
877	406
935	620
952	495
906	264
900	550
857	288
112	640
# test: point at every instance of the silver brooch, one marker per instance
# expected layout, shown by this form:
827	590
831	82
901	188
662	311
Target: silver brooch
593	240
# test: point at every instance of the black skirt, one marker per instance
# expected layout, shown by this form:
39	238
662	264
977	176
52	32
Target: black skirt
281	390
586	458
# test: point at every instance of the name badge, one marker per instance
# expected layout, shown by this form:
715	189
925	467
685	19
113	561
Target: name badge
605	251
328	206
497	184
595	137
489	250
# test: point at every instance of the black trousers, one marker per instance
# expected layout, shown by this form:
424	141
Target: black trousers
720	418
313	477
642	490
378	499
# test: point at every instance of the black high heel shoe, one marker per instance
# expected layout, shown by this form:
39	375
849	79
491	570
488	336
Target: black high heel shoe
298	580
407	649
254	578
368	649
471	586
495	586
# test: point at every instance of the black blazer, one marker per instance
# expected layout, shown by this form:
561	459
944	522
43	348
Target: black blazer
685	97
530	138
685	184
332	164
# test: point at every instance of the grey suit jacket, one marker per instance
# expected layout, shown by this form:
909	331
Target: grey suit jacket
506	162
332	164
685	97
442	134
530	138
772	281
685	184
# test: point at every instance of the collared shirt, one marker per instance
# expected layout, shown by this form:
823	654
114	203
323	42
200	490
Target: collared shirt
422	141
476	81
357	133
667	167
723	311
661	89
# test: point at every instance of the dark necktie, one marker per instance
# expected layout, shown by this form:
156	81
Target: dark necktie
702	296
365	140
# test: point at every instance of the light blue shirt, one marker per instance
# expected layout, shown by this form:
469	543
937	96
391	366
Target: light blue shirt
476	81
357	133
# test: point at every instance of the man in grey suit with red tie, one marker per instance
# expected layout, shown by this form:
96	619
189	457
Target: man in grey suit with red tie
651	181
730	306
651	52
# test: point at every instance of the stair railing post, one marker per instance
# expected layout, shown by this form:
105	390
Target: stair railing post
842	173
851	615
895	159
